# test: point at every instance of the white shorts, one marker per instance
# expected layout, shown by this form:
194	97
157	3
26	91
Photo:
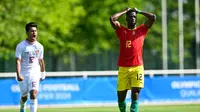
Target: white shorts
29	83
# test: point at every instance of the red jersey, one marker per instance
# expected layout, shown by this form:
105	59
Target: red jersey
131	45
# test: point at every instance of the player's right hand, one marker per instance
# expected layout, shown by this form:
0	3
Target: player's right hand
20	78
127	8
135	9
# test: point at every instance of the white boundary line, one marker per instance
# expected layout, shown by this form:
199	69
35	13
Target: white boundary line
108	73
112	104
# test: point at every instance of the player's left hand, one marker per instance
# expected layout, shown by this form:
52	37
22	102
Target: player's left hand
20	78
43	76
41	79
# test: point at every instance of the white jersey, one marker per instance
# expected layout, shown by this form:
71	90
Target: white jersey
29	55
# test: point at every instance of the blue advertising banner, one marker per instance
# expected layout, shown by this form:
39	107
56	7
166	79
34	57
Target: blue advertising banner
63	90
172	88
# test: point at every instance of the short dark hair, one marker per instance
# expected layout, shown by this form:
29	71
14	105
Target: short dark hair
130	11
30	24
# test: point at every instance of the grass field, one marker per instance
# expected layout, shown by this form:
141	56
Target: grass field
168	108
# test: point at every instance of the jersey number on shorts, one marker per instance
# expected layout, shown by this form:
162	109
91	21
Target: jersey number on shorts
33	84
139	76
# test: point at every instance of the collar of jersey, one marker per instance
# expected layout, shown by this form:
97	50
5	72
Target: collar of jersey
30	42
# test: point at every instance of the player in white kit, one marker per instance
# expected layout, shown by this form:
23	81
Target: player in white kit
30	67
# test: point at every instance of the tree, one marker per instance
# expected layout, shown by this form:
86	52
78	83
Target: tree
55	20
81	27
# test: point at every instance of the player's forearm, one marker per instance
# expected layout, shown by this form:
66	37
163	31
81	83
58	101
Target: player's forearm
42	65
117	15
150	16
18	66
42	68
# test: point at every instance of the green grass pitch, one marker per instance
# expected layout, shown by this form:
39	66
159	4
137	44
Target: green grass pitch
167	108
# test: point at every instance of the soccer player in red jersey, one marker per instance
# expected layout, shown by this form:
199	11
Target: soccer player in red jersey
130	62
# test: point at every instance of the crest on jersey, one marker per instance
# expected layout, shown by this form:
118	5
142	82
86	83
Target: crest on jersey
134	32
36	51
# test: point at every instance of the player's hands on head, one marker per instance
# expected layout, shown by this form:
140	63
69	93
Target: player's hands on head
127	8
20	78
135	9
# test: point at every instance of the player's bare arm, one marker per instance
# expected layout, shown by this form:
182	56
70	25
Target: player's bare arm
42	65
18	68
150	18
113	19
42	68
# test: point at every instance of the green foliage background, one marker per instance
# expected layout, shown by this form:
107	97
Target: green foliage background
81	28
